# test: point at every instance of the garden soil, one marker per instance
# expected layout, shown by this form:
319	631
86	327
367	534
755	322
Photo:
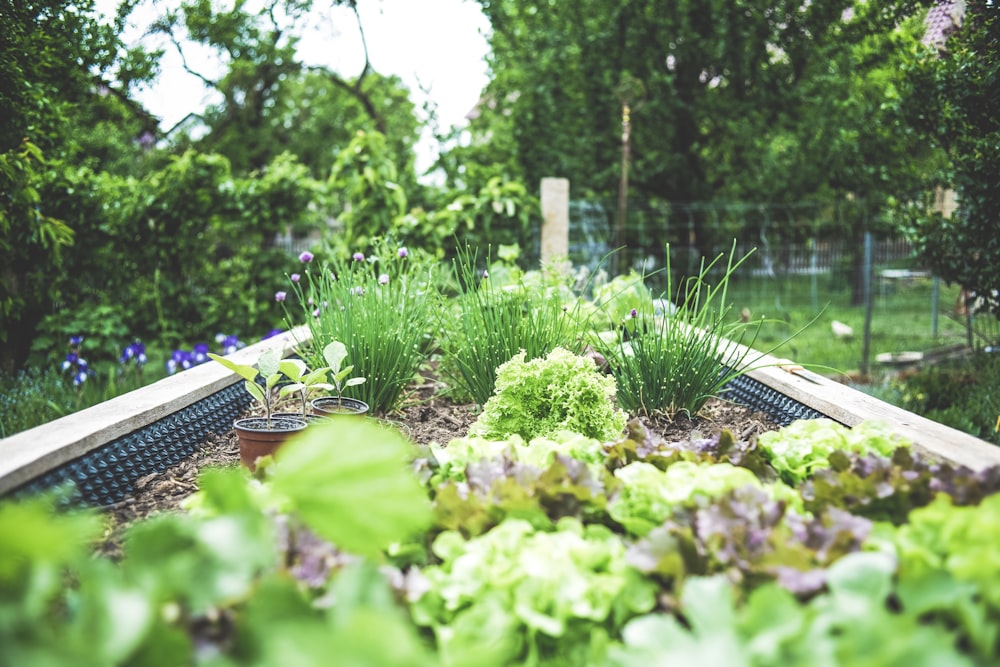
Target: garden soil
429	417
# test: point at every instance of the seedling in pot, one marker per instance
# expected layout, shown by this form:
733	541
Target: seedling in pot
303	380
268	366
335	353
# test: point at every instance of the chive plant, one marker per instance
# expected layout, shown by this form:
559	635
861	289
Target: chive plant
380	306
675	362
491	323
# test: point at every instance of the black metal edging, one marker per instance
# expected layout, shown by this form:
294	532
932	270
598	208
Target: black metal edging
108	474
758	396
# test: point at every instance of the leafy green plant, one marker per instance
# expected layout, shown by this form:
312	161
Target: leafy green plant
806	445
675	362
268	367
541	397
380	306
491	323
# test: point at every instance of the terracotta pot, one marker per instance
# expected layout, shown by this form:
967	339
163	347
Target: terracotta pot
256	440
331	405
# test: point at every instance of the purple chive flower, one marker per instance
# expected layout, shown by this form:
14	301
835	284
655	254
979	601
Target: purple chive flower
358	257
316	313
357	291
634	314
280	296
403	252
306	257
310	301
295	277
383	279
486	274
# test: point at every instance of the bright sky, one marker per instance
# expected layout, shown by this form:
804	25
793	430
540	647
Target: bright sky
437	45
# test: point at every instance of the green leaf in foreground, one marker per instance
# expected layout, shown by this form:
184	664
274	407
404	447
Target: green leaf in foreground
349	482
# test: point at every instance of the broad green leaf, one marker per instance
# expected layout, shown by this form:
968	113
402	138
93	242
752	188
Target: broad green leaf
335	353
349	481
269	363
295	369
245	371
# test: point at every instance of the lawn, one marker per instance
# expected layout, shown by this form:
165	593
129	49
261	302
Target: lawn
902	319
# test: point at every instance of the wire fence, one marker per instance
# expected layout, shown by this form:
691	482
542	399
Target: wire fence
836	260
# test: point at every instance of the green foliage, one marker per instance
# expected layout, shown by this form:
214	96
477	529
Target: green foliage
493	322
851	624
381	307
235	555
31	249
360	497
541	397
365	178
649	495
676	361
961	394
758	100
32	397
946	96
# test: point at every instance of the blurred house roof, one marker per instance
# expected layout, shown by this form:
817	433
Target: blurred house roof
944	18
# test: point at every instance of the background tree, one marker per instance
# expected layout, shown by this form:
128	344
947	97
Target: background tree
953	96
62	71
727	84
271	101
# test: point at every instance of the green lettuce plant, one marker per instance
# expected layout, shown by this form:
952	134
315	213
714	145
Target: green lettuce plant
541	397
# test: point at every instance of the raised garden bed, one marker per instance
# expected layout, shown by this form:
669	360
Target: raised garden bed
707	579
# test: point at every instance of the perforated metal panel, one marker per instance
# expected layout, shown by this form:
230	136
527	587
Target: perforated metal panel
107	474
758	396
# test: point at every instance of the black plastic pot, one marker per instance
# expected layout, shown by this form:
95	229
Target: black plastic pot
332	405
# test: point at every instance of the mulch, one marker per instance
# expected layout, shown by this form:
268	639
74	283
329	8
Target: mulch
428	416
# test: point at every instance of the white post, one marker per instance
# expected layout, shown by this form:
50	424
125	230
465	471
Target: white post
555	219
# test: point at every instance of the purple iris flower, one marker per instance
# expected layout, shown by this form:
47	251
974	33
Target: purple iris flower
75	341
199	354
272	333
70	361
135	350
